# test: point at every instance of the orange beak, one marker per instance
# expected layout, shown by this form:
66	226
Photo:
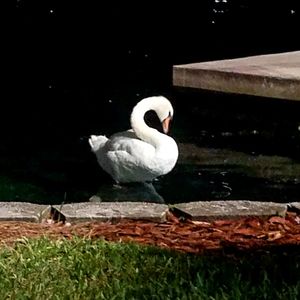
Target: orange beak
166	124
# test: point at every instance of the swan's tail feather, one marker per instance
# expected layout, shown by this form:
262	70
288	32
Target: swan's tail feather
97	142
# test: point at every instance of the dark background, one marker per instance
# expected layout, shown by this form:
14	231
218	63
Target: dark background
70	60
75	68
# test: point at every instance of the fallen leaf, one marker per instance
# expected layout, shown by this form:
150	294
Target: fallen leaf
253	223
172	218
261	236
201	223
222	222
277	219
139	230
275	235
245	231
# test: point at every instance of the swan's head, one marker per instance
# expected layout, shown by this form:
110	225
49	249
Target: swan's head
161	105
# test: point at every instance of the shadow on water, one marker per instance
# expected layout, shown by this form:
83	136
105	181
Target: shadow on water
135	192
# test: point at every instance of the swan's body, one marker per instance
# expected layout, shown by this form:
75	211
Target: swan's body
141	153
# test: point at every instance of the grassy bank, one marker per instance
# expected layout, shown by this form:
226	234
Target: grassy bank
82	269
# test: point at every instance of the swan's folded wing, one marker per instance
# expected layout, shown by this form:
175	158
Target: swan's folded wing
97	142
128	158
128	142
127	167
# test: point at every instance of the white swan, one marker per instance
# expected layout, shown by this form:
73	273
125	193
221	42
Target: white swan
141	153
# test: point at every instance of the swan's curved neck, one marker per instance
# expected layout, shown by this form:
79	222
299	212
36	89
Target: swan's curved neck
141	129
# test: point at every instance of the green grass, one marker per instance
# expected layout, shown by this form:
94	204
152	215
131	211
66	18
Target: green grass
83	269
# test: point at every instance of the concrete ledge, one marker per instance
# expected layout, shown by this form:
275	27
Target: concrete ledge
22	211
113	211
273	75
212	210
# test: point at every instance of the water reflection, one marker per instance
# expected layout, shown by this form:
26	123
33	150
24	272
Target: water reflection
201	174
134	192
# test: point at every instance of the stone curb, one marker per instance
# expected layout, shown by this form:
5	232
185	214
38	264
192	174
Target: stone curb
23	211
115	211
211	210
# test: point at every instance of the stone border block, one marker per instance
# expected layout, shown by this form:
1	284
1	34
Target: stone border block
23	211
211	210
112	211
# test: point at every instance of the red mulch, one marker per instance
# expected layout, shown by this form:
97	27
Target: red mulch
186	236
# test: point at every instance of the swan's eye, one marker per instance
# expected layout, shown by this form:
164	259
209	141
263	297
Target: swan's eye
170	115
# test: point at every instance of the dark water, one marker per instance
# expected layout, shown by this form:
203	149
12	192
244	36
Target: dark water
231	147
73	69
